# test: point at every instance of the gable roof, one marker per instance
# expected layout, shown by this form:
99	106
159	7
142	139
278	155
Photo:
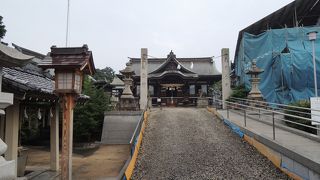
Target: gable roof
172	66
117	81
201	65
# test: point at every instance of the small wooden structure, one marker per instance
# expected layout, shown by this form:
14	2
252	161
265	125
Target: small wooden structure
69	64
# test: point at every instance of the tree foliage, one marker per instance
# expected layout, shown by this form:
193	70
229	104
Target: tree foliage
2	28
106	73
88	118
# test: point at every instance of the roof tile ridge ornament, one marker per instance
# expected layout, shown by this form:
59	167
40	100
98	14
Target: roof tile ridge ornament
171	57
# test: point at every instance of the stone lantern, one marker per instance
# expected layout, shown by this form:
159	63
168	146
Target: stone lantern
70	64
255	93
127	101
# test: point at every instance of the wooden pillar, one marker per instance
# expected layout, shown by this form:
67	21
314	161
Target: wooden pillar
12	131
54	139
67	137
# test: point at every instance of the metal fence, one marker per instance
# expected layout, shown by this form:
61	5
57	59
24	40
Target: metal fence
135	134
278	114
133	143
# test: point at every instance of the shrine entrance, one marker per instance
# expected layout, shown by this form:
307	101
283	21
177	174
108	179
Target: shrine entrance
171	93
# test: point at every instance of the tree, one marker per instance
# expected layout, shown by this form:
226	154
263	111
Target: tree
88	118
2	28
104	74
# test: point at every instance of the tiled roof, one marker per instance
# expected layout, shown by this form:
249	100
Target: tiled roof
34	82
201	66
117	81
79	57
29	80
28	52
11	57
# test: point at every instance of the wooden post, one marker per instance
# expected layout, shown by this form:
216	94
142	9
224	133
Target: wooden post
67	137
54	139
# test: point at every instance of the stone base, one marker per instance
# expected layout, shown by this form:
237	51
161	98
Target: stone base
261	102
7	169
128	104
202	102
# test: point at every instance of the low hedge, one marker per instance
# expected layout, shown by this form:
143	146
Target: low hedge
301	113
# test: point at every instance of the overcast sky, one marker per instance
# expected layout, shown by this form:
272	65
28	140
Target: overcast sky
115	30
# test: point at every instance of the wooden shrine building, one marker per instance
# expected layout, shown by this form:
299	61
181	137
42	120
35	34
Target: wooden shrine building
177	81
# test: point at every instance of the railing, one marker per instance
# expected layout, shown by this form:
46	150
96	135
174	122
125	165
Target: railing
275	112
132	143
135	134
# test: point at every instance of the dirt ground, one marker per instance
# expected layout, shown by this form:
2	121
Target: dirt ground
106	161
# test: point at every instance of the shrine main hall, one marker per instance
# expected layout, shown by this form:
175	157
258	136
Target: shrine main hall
177	81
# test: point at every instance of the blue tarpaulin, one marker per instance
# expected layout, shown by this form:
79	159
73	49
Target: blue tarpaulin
285	55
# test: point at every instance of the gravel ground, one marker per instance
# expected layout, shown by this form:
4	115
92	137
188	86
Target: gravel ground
188	143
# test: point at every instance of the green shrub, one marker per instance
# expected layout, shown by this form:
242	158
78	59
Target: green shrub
239	92
301	113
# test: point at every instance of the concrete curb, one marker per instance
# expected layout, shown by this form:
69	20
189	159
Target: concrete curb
128	168
288	161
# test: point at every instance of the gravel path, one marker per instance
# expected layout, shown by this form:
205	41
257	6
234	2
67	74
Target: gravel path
187	143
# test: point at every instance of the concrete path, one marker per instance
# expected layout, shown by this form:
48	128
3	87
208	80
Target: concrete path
302	145
189	143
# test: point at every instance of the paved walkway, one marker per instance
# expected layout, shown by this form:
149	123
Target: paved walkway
189	143
299	144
